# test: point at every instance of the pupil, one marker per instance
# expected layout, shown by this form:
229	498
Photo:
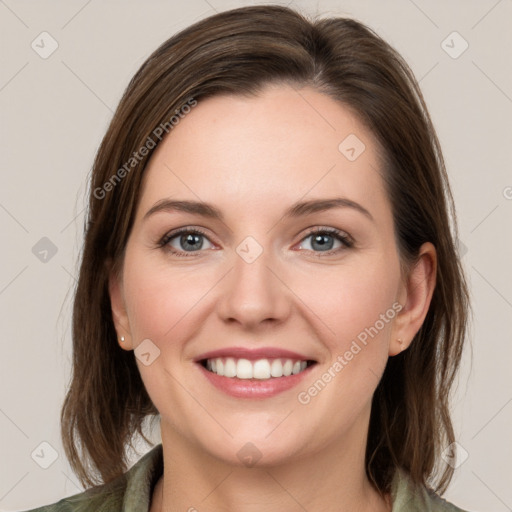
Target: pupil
190	239
321	239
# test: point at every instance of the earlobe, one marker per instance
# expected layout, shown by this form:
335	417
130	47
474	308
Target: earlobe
419	289
119	314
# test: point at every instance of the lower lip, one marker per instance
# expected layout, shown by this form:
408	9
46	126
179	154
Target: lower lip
254	388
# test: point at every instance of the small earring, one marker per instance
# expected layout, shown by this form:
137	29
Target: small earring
400	340
122	339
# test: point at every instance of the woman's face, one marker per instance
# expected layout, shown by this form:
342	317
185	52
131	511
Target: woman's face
257	291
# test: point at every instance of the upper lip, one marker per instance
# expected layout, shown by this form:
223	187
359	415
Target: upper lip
253	354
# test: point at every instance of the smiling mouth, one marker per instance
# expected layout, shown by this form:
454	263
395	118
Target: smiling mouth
260	369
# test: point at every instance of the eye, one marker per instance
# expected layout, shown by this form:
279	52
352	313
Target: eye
187	241
323	239
184	242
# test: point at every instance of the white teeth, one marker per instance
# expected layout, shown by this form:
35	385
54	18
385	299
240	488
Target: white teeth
243	369
296	367
261	369
230	367
287	367
276	369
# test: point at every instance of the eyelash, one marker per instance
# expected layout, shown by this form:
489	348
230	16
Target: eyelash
339	235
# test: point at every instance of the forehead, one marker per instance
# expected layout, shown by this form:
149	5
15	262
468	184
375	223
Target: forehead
274	148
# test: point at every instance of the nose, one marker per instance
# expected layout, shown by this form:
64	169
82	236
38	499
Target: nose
254	294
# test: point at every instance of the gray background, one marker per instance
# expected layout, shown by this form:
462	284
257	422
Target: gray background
54	112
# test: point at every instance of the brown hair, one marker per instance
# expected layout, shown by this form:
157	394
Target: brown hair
238	52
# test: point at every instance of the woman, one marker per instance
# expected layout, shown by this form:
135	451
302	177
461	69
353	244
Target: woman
269	269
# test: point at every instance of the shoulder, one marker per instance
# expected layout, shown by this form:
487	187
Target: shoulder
407	497
132	489
104	498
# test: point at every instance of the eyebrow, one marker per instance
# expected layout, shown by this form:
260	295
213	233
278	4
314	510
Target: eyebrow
298	209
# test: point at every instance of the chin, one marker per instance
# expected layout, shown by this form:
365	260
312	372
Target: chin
256	449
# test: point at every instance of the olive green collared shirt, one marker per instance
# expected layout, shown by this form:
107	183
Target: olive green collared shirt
132	492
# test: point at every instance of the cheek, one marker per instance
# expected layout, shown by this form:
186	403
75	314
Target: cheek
352	305
160	297
358	307
162	301
351	301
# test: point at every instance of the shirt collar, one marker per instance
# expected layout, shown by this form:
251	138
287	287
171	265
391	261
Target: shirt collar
141	480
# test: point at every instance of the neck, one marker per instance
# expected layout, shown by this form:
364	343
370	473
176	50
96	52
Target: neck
332	479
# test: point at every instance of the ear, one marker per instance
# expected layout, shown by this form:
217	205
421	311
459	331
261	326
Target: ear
119	315
415	296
